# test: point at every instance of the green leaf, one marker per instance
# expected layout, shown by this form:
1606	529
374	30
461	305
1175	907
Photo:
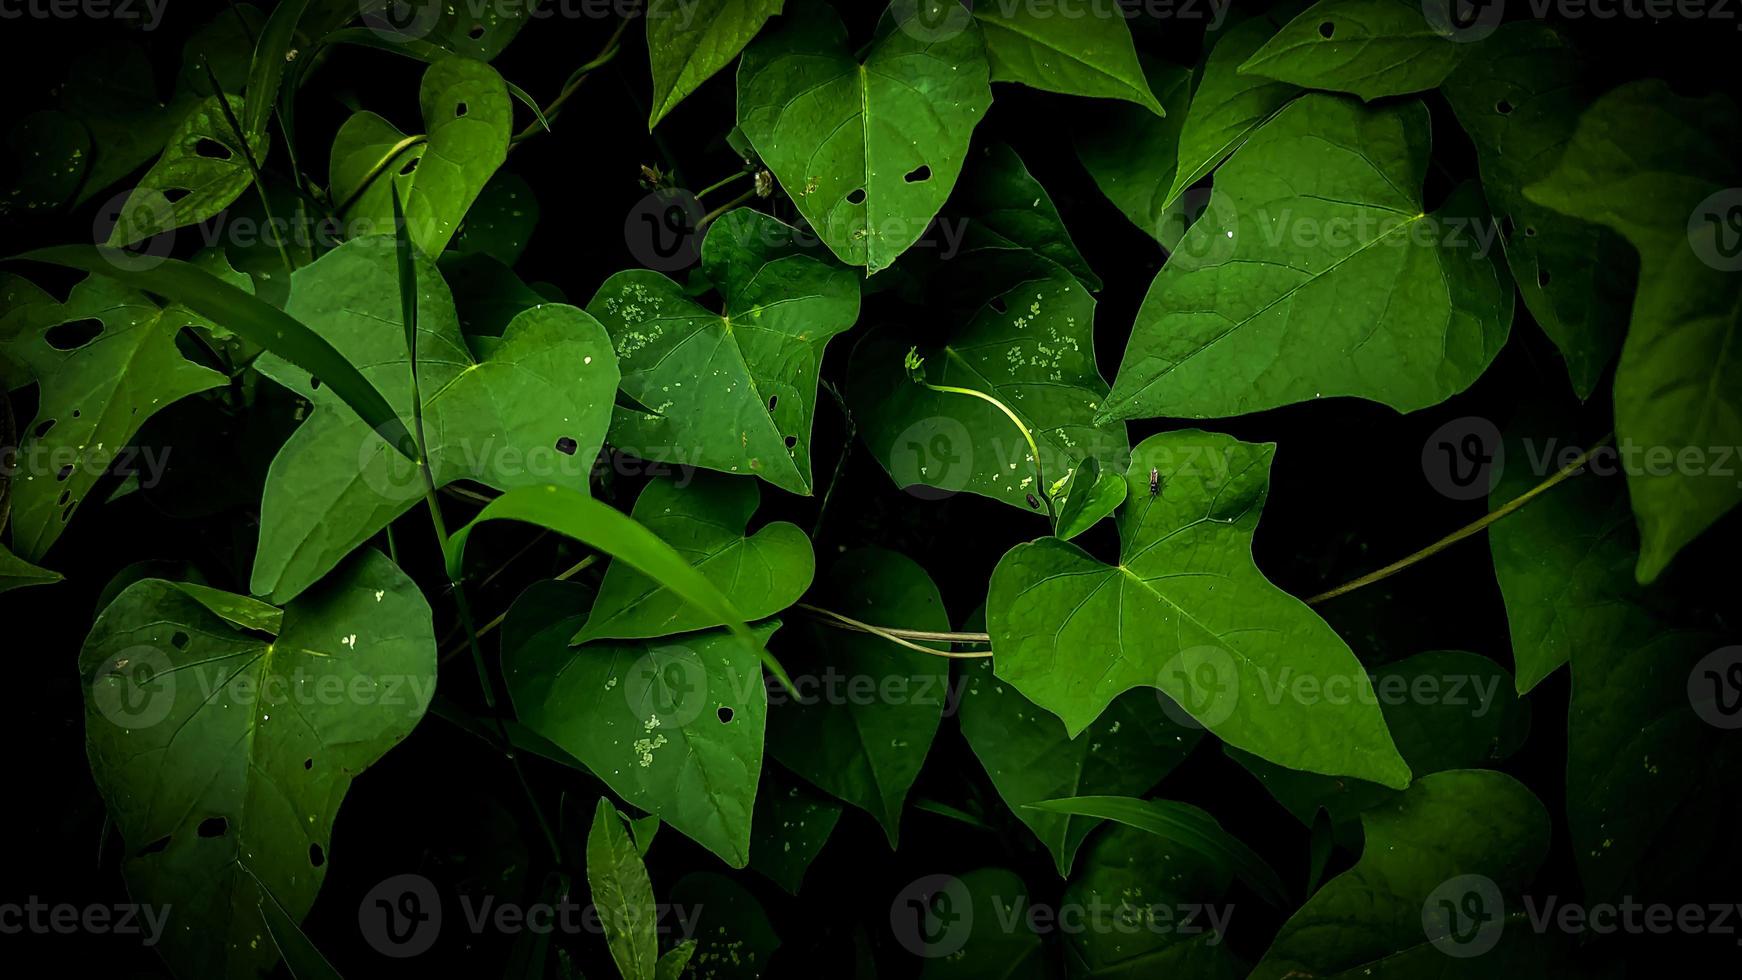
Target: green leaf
16	573
427	31
1445	709
300	956
865	748
1639	757
533	412
223	756
867	151
675	961
1029	757
977	939
468	119
1451	837
1660	169
623	895
1186	611
674	727
1227	107
1315	273
104	362
255	321
1155	908
1007	210
1369	48
704	521
1032	348
272	53
1049	49
1185	824
1131	154
792	824
573	514
500	221
1092	494
1520	102
733	936
688	41
734	391
203	169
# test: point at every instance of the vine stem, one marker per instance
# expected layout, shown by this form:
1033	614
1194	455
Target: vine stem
603	58
1467	530
723	181
900	637
708	219
915	366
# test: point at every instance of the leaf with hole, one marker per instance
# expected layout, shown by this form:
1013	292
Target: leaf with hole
203	169
533	412
1187	612
1369	48
704	520
1661	170
223	754
1520	102
867	149
733	391
468	120
1315	273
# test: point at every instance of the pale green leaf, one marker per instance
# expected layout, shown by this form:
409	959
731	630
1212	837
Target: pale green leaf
623	895
1186	611
468	120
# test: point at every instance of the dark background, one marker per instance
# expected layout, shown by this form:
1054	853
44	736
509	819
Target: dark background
1348	495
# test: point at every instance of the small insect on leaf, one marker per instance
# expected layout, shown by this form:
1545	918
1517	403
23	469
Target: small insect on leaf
1154	482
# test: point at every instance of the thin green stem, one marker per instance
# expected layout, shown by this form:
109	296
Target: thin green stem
376	170
915	368
900	637
1467	530
708	219
722	182
241	138
603	58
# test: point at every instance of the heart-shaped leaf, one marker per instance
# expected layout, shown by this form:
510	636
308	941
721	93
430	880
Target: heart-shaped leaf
1520	102
468	119
864	710
1661	169
533	412
1186	611
1131	154
1369	48
704	520
1315	273
793	822
867	149
688	41
732	391
223	755
1030	758
1048	49
674	726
